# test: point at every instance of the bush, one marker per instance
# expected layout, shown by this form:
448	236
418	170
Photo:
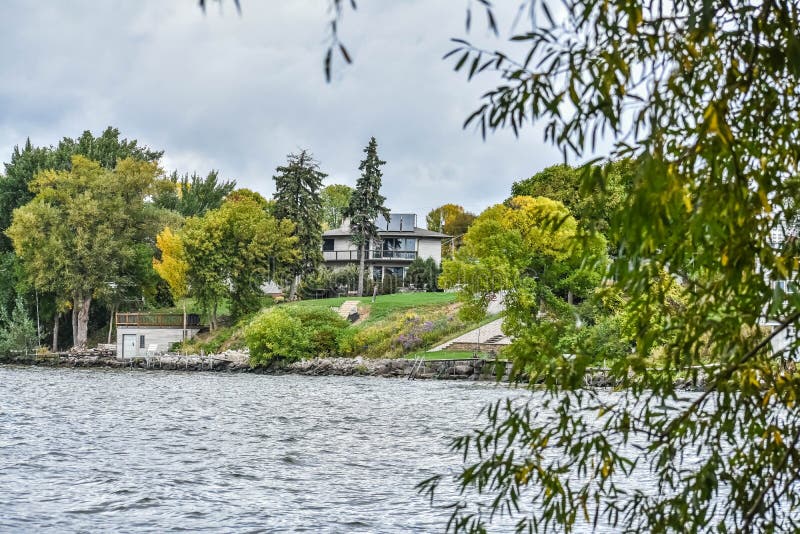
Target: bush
318	284
294	333
323	327
388	284
423	274
17	332
275	333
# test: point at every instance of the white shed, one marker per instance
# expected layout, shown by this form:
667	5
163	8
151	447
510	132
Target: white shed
138	333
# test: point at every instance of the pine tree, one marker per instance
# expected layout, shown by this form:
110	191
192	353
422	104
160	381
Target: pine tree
366	204
297	187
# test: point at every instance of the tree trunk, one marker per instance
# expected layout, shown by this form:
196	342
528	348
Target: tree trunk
293	287
570	298
361	270
111	322
81	310
183	336
55	332
74	318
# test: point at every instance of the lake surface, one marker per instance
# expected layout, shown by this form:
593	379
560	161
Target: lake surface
144	451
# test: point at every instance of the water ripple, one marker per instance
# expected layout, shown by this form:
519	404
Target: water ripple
89	450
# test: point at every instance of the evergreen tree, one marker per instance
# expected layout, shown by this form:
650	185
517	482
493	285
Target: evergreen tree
193	195
366	204
297	187
14	190
106	149
17	329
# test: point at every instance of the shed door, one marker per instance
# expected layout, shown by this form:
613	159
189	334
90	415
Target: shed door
128	345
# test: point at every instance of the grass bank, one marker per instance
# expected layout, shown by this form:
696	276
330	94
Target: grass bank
392	326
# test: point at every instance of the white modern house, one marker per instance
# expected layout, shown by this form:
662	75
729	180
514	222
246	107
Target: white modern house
400	241
142	334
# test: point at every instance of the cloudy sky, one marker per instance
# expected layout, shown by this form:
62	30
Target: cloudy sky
238	93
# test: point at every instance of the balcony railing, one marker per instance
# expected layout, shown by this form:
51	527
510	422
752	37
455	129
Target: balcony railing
340	255
171	320
394	254
352	255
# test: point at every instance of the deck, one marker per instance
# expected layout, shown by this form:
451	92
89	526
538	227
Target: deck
157	320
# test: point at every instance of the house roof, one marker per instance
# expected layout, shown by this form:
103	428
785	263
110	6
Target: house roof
417	232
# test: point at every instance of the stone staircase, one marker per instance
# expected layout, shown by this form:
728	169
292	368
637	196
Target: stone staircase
348	310
484	337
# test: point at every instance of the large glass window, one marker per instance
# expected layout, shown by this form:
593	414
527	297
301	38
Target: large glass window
397	272
327	245
408	244
399	247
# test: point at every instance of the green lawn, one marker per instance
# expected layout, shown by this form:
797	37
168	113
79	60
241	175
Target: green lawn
385	305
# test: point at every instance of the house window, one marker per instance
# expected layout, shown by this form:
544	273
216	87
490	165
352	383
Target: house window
327	245
397	272
400	247
141	341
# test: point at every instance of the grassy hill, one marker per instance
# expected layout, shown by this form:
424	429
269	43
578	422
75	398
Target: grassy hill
391	326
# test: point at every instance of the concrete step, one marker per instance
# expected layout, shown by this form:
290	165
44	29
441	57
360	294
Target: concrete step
348	308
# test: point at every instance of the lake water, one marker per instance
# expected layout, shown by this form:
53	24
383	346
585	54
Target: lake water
133	451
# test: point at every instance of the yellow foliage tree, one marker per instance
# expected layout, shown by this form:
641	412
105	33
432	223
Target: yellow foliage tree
173	267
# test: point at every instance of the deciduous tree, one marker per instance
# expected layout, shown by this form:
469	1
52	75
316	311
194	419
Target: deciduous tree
172	266
81	231
335	199
232	251
704	101
593	208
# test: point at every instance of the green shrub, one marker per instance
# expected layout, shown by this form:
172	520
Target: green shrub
294	333
17	331
275	333
323	327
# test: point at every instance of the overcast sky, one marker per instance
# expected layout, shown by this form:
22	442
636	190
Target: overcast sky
239	93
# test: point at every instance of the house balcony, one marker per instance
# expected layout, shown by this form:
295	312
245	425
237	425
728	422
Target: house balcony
408	255
352	255
158	320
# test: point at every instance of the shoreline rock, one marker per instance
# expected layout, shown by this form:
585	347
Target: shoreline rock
238	361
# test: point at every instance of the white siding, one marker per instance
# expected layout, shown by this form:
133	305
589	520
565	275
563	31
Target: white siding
343	243
163	337
430	248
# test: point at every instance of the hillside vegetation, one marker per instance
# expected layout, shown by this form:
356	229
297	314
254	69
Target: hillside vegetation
392	326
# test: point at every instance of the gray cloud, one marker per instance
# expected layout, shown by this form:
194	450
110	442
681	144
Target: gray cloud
239	93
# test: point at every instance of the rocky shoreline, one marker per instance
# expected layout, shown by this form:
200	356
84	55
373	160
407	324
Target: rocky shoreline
238	361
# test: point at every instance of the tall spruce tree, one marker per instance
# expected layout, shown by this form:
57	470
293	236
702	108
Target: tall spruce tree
297	188
366	204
